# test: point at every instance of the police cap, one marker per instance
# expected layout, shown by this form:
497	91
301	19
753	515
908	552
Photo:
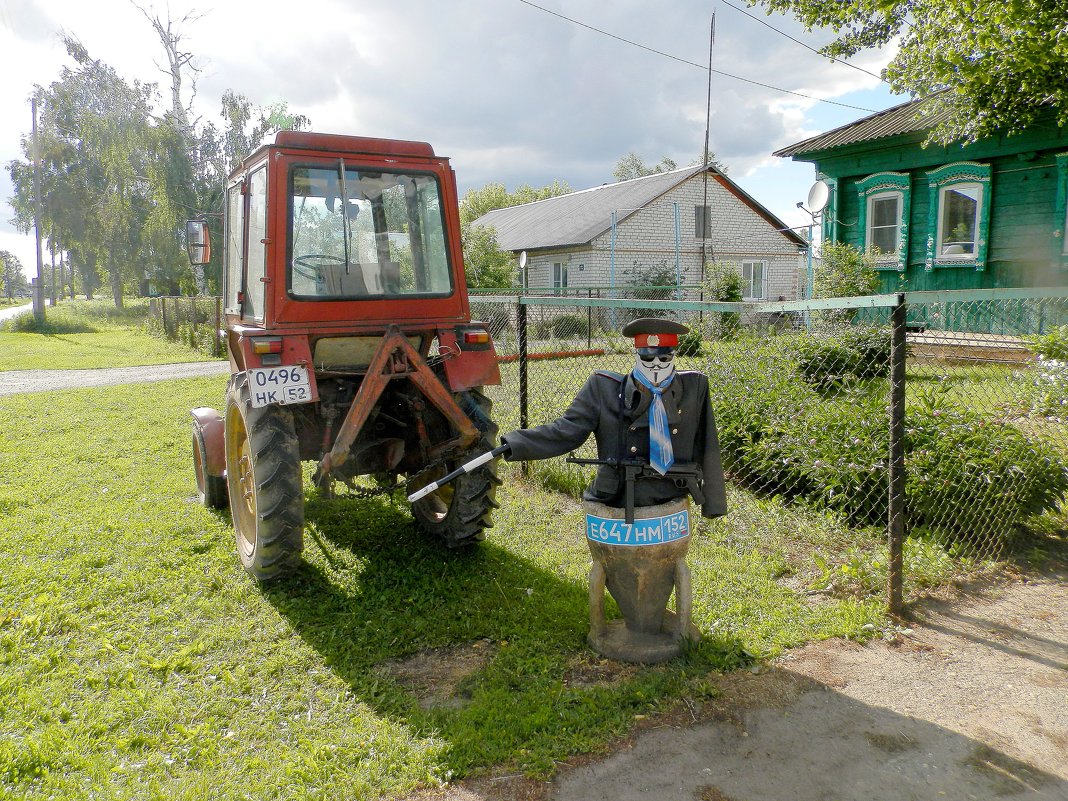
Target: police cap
654	332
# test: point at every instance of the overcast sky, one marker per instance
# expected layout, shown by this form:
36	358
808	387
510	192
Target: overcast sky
510	92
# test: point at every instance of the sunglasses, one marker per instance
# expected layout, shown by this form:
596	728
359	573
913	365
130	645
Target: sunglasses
665	358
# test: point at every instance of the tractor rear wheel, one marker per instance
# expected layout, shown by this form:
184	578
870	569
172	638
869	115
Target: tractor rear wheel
263	476
460	512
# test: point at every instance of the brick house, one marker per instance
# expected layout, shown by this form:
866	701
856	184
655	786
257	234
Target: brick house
665	225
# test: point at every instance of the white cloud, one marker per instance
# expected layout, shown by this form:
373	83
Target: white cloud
510	92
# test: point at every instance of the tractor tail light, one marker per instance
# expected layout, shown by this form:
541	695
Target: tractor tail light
264	345
476	338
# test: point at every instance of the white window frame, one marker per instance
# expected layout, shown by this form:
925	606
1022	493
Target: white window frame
559	275
940	236
747	281
890	255
963	174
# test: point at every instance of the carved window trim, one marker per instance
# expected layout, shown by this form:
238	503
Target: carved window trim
945	177
887	183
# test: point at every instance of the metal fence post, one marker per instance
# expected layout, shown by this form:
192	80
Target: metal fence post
216	347
163	315
895	528
192	322
589	322
521	335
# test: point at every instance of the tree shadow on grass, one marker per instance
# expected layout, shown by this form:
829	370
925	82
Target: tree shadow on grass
374	592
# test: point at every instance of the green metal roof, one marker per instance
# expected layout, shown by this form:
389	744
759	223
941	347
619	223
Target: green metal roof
910	117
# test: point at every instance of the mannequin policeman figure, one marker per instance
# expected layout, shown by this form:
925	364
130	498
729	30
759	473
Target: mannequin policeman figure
655	416
656	445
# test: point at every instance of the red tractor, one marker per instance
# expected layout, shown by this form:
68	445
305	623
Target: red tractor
350	340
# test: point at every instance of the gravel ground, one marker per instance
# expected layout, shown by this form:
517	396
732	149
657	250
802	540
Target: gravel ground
15	381
968	701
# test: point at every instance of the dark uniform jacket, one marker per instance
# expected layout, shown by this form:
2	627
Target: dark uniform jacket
596	410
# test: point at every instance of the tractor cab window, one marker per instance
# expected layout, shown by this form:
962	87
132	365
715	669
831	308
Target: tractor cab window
356	233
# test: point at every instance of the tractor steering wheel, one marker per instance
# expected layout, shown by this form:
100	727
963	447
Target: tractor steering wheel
307	267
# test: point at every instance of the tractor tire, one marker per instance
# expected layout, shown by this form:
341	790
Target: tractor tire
211	489
263	476
460	512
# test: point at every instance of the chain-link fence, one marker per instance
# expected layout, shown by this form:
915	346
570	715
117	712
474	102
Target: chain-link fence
848	424
193	321
886	443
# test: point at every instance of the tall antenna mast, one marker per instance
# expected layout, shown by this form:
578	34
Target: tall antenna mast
706	213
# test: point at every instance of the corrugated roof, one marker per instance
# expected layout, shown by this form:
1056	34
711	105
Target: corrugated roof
579	217
906	118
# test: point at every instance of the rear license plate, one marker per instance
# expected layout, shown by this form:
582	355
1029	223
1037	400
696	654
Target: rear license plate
279	385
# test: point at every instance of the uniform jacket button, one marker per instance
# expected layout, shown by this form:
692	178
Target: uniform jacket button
674	431
634	428
633	448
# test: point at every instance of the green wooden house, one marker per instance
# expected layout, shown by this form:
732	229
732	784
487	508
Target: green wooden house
985	215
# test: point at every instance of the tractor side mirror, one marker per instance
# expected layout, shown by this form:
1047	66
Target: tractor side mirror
197	241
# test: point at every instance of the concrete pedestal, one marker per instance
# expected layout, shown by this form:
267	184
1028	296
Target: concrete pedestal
640	564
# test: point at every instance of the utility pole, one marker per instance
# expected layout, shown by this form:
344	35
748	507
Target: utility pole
38	287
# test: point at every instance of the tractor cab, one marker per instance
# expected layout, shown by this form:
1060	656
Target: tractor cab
343	276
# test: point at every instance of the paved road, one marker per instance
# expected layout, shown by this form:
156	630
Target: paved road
12	311
16	381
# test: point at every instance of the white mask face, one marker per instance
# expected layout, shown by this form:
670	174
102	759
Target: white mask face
657	369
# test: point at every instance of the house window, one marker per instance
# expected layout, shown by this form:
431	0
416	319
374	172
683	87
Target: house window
702	221
884	214
959	217
560	275
1060	221
754	280
884	223
958	220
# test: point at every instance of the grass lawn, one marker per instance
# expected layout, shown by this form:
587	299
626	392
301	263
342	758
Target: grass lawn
138	661
85	334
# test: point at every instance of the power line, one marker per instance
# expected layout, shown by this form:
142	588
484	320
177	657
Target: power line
768	25
702	67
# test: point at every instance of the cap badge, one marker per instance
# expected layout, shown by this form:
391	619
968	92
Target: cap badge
653	340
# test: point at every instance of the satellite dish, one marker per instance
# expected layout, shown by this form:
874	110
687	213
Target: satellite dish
522	260
818	196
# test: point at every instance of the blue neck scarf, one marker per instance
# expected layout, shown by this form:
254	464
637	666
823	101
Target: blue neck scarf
661	454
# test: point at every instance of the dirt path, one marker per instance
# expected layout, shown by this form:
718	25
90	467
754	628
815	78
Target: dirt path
969	702
15	381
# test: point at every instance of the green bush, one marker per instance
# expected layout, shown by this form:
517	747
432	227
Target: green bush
690	343
843	351
969	480
976	480
826	363
843	271
564	326
723	284
1053	345
871	348
1047	387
